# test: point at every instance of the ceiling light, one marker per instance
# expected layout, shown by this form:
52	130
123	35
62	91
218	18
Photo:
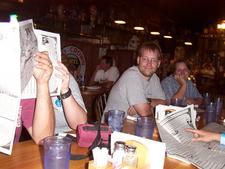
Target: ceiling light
188	43
221	25
167	36
139	28
119	22
154	33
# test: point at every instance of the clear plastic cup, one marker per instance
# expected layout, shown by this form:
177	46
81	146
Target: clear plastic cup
210	114
145	127
219	106
57	152
116	119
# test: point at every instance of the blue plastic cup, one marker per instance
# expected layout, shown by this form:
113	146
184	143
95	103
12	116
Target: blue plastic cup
116	119
145	127
219	105
57	152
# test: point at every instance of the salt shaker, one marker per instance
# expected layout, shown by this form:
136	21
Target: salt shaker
130	158
118	154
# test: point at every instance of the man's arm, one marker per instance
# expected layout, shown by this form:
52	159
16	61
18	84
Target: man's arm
143	109
74	113
44	120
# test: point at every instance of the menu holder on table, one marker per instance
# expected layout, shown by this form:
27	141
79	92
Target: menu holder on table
153	151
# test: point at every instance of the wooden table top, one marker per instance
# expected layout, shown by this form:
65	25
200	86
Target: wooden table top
89	92
28	155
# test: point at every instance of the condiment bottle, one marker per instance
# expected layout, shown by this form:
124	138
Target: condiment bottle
118	154
130	159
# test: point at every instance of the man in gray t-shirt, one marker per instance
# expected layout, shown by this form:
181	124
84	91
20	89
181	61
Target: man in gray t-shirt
138	84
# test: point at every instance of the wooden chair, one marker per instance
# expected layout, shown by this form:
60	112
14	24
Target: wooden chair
99	105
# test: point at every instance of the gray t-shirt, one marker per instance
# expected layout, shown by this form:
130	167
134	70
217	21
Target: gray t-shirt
133	89
61	123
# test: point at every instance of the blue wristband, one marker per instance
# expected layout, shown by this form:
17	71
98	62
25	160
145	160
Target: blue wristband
222	138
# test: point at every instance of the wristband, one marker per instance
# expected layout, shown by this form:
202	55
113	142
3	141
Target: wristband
65	95
222	138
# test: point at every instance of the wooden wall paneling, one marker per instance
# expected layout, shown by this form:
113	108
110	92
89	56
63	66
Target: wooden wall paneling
90	51
123	58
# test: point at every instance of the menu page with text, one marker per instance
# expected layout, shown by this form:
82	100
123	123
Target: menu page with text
18	43
179	143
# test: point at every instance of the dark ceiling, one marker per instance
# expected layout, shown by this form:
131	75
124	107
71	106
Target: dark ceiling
189	14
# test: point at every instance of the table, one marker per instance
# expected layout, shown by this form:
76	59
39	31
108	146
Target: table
27	155
89	97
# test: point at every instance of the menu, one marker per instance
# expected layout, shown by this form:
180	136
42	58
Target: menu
18	43
172	122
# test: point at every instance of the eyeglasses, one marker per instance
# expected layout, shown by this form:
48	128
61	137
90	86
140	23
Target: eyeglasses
147	60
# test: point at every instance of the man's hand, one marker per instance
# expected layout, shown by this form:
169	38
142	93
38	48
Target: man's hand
43	67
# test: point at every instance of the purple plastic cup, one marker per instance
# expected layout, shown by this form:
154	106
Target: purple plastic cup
57	152
145	127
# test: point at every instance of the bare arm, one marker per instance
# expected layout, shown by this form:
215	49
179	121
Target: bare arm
183	87
143	109
205	136
44	120
74	113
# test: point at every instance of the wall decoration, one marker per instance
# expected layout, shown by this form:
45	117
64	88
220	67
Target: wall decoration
76	57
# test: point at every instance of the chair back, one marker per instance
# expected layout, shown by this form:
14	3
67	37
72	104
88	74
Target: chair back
99	105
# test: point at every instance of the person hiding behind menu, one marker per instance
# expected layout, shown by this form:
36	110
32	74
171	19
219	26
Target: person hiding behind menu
137	84
105	73
42	117
177	85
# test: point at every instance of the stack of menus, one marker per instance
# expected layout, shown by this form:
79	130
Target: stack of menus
172	122
18	43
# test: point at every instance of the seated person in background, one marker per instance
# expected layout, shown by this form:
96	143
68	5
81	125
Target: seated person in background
69	108
105	73
178	86
206	136
138	83
38	118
